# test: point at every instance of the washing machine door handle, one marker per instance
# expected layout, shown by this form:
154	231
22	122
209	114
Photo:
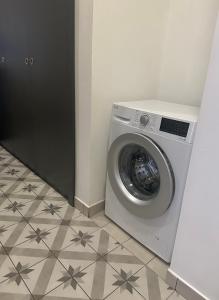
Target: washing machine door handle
141	175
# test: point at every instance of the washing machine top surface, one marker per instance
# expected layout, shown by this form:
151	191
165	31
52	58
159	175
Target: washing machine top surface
165	109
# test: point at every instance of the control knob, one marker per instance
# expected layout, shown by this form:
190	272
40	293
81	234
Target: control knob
144	120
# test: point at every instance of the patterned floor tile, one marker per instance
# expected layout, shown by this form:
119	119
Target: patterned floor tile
68	290
124	261
60	207
4	151
28	175
22	198
4	201
13	287
6	233
102	242
99	280
16	296
42	222
138	250
20	233
55	238
11	283
4	158
76	266
62	237
48	212
151	286
52	193
100	219
5	264
44	277
8	173
78	254
6	185
116	232
5	224
126	292
159	267
18	171
24	235
39	237
28	253
16	163
23	206
84	224
10	209
176	296
26	188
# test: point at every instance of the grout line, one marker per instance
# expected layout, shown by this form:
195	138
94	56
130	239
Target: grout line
151	260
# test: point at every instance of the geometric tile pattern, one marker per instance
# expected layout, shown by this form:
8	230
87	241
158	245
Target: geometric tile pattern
49	251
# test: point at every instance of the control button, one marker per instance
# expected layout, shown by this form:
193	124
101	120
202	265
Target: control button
144	120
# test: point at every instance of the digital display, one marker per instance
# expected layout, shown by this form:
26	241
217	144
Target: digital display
174	127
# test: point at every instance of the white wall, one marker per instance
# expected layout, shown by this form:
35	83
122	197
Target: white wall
186	50
131	50
195	257
127	39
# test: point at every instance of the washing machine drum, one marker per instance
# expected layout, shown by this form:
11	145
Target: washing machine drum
141	175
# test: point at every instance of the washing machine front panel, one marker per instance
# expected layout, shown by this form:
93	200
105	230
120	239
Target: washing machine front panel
141	175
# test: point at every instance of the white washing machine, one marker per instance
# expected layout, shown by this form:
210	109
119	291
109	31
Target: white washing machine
149	154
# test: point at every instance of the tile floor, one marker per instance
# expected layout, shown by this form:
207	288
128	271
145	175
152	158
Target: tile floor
49	251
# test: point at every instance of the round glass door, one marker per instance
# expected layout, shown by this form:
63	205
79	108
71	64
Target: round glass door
139	172
140	175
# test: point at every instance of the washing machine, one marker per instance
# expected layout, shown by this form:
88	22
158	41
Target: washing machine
148	159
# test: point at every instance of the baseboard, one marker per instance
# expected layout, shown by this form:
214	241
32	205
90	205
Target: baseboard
183	288
89	211
171	279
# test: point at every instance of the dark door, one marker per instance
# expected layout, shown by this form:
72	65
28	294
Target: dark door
15	79
3	74
44	140
52	54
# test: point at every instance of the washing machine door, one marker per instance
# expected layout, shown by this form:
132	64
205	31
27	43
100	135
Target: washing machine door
140	175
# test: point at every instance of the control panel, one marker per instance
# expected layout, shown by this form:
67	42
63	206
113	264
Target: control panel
174	127
154	123
157	124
